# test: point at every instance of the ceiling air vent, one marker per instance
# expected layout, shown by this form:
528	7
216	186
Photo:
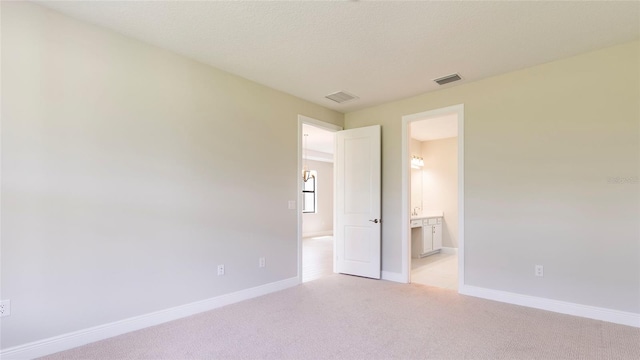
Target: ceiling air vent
447	79
341	97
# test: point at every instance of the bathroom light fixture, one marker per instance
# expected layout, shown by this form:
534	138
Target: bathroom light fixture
306	173
416	162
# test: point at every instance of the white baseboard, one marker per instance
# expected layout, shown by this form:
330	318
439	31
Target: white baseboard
563	307
317	233
449	250
101	332
393	276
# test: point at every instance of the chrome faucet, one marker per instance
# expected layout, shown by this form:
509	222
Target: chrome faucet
415	211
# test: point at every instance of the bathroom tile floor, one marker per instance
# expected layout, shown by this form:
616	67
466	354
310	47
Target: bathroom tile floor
439	270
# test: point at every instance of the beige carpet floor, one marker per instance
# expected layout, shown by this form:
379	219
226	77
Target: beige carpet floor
344	317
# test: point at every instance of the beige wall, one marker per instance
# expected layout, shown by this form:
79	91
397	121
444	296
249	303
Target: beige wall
322	221
130	172
542	146
440	185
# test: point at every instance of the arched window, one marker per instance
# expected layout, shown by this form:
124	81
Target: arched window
309	197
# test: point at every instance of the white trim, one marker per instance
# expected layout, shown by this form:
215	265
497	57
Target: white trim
449	250
317	233
392	276
406	195
82	337
460	250
317	123
326	126
563	307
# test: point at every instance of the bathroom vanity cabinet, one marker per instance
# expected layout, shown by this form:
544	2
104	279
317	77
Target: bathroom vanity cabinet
426	236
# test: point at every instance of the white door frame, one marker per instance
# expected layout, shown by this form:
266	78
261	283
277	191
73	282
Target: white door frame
325	126
406	186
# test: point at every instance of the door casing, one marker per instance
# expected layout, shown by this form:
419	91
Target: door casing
406	187
325	126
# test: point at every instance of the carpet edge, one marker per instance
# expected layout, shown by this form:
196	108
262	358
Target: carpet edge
562	307
85	336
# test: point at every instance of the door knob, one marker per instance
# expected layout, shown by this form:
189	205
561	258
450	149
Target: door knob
375	221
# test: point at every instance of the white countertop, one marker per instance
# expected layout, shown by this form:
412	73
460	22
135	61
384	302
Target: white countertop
429	214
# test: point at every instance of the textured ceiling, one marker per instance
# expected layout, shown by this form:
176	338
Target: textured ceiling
379	51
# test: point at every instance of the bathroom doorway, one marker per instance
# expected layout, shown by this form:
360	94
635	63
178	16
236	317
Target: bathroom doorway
433	197
316	210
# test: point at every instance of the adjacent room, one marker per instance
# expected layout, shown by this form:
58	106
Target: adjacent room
233	180
317	202
434	201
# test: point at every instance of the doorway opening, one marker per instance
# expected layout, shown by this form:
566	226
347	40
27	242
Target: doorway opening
316	198
433	198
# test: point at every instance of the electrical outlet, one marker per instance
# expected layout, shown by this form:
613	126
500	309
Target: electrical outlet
5	308
539	270
262	262
220	270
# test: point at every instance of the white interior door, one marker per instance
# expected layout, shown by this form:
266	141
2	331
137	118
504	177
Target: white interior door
357	208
